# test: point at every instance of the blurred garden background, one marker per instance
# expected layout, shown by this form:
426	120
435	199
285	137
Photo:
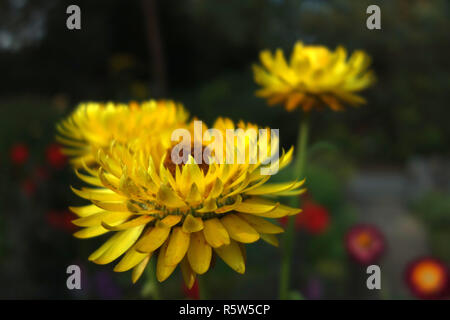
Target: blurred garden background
383	168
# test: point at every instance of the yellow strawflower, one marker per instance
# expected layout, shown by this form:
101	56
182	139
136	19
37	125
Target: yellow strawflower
181	214
93	126
313	77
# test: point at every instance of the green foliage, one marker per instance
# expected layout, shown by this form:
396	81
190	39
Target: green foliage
434	211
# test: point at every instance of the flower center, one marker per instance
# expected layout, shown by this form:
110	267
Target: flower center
364	240
171	166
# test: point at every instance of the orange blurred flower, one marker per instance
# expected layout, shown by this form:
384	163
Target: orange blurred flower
428	278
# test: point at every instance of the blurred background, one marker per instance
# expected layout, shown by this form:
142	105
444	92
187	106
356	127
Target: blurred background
378	176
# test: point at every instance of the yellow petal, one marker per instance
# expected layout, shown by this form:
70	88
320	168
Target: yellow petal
89	179
192	224
199	253
130	260
232	255
261	225
168	221
125	239
270	239
239	229
85	211
152	239
90	232
97	194
119	206
188	274
275	188
227	208
169	198
178	246
142	220
139	269
257	206
215	233
163	271
111	218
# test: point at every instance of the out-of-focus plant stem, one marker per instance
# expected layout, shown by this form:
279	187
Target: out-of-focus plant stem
300	158
151	286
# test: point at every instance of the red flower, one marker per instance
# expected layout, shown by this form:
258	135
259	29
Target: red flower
19	154
192	293
427	278
55	157
314	218
364	243
61	220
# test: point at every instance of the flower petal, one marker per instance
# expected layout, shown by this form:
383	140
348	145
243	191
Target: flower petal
199	253
239	229
232	255
90	232
139	269
188	274
270	239
192	224
215	233
178	246
152	239
124	240
130	260
163	270
261	225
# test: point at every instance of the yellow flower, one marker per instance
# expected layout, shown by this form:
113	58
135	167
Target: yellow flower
93	126
314	77
181	214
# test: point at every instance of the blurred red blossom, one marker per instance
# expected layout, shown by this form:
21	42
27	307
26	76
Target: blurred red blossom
61	220
364	243
428	278
193	293
19	153
314	218
55	157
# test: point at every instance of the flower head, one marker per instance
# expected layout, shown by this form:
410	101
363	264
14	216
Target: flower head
92	126
428	278
19	154
364	243
313	77
180	214
314	218
55	157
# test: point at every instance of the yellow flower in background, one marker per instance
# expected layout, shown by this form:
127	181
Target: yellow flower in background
180	214
313	77
93	126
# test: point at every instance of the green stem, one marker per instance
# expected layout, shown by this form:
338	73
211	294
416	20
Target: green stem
202	288
151	286
300	158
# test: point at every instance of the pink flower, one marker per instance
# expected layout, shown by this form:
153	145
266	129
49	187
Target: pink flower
364	243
